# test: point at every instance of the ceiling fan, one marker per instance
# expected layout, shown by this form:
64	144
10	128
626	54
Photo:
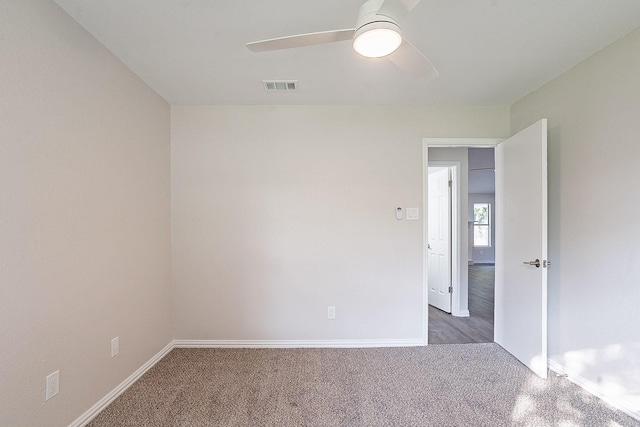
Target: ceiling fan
376	35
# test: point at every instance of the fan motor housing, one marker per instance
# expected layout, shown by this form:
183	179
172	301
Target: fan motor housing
369	14
376	35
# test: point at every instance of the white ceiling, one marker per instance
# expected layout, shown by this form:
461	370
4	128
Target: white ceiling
488	52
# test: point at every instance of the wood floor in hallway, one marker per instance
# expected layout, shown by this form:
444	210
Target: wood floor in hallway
478	327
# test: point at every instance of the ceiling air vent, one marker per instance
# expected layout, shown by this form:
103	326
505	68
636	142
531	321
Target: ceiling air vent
280	85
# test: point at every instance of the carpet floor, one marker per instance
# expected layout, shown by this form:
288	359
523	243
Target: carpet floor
437	385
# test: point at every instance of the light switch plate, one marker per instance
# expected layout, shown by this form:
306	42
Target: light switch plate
413	214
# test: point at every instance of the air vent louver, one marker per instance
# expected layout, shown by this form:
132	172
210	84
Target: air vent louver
280	85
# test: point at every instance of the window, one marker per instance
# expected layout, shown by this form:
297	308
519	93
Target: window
482	224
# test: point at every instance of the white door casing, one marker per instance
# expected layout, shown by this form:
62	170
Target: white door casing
439	238
521	292
521	236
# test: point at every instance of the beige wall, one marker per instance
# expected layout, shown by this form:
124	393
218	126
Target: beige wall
594	147
84	217
279	212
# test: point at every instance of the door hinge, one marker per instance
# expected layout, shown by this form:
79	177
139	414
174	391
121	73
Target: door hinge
450	289
450	183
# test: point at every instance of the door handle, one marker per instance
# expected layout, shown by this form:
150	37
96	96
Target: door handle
536	263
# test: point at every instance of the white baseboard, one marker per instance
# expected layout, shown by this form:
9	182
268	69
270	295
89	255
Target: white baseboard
85	418
462	313
595	390
297	343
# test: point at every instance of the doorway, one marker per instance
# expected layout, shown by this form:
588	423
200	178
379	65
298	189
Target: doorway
521	227
473	324
439	241
439	152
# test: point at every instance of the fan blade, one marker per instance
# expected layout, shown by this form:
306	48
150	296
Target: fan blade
396	9
413	62
301	40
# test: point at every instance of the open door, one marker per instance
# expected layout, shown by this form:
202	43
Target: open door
521	246
439	238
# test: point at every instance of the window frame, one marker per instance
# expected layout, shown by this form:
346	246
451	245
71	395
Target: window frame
477	225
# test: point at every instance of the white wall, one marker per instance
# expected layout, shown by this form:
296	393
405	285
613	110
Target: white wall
279	212
594	147
482	170
84	217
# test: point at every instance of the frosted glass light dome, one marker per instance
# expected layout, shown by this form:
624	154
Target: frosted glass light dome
377	39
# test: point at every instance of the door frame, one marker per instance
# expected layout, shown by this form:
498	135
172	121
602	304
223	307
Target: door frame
458	291
454	168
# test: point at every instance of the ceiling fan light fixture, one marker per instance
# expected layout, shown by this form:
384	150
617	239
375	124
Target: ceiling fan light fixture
377	39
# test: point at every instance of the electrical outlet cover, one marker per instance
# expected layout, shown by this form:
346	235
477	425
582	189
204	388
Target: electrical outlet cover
331	312
115	347
52	385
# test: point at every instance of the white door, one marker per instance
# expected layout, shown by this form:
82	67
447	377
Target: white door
521	240
439	238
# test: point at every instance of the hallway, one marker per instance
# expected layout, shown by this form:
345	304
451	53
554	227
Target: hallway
478	327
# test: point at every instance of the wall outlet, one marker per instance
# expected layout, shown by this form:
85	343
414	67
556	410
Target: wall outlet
52	385
331	312
115	347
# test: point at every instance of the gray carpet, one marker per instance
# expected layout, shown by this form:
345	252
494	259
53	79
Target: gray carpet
438	385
